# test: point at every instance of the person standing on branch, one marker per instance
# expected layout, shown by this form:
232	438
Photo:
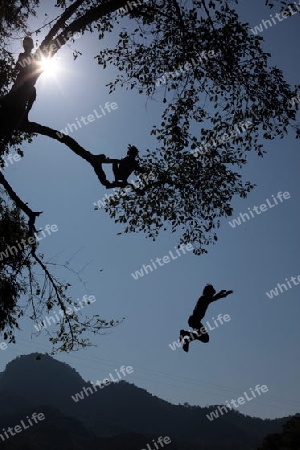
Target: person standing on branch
28	71
16	105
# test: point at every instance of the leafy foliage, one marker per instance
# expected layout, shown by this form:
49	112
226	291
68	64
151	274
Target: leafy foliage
195	168
289	439
204	103
12	230
18	274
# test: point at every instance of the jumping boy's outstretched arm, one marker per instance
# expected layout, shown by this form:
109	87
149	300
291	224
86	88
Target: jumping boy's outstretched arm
221	294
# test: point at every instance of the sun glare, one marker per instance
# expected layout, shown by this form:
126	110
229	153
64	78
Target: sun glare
49	66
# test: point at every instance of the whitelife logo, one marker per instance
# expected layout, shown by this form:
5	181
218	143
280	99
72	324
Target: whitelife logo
295	100
130	6
225	317
18	428
274	293
139	183
263	207
43	325
239	129
71	127
11	158
166	440
267	23
101	384
193	63
241	400
14	249
166	260
3	346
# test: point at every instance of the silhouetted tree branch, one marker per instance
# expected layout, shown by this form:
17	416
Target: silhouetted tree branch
32	215
196	162
94	160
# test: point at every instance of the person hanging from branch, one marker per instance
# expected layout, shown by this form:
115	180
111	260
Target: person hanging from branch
125	167
122	169
208	296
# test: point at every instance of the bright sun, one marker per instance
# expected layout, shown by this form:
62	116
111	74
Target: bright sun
49	66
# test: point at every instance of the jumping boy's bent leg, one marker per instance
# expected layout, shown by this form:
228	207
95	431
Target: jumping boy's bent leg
202	334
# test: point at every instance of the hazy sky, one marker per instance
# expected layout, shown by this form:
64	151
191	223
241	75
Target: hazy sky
260	344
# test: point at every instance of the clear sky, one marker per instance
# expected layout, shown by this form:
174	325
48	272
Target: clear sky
260	344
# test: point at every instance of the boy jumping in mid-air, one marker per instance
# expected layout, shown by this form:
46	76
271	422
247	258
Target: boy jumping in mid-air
208	296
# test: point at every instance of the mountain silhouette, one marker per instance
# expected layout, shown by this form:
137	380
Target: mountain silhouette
120	416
